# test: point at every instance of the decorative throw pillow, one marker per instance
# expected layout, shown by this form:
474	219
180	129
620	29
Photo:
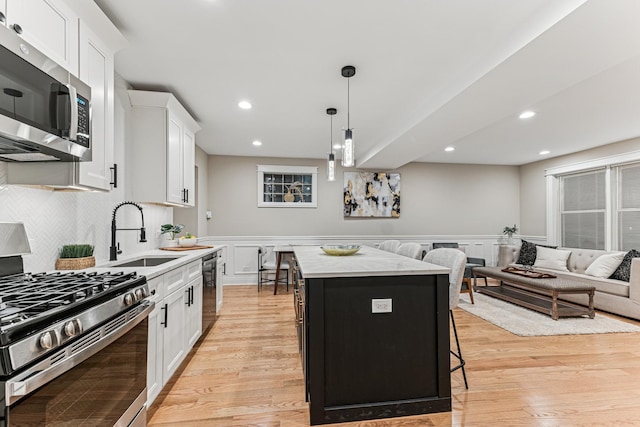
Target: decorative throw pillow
528	252
605	265
623	272
554	259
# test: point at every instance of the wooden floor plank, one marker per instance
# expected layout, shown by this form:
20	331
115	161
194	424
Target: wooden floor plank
247	372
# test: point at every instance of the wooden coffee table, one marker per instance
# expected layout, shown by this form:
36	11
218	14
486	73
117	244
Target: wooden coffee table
538	293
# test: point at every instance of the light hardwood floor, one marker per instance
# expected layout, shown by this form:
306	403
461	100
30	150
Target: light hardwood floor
247	372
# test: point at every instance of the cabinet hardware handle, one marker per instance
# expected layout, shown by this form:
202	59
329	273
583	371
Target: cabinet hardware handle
114	176
186	195
17	28
188	291
191	296
224	268
166	312
2	17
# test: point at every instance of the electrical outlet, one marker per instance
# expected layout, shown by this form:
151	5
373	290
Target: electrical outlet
381	305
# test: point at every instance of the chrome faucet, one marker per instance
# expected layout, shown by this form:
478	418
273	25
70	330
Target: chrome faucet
114	250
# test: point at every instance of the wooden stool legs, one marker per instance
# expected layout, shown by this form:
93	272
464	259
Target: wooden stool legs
469	289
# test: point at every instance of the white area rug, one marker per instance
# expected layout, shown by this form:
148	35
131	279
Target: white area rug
524	322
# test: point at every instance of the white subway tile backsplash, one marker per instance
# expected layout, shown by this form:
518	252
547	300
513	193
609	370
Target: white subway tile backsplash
55	218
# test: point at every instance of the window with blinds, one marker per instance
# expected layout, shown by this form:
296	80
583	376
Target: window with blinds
582	210
628	207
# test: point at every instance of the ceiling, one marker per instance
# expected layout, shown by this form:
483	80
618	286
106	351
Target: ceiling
430	74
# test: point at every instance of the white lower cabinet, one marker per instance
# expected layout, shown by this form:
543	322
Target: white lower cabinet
193	312
156	341
175	324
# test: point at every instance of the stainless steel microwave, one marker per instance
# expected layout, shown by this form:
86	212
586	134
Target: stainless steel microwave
45	112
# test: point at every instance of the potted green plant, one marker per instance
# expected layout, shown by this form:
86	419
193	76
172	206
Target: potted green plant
75	257
171	230
509	231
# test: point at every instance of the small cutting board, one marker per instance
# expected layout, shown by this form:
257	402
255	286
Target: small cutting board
185	248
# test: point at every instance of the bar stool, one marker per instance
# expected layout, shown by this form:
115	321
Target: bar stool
456	261
267	265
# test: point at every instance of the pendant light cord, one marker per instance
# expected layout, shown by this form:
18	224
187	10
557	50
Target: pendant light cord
331	136
348	106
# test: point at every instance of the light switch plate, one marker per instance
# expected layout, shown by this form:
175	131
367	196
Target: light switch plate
384	305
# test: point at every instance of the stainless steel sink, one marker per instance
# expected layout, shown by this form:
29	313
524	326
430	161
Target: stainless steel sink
145	262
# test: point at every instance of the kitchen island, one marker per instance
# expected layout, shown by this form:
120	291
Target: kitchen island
374	335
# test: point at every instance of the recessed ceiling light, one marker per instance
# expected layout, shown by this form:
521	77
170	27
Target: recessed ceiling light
527	114
257	143
543	152
245	105
337	146
449	149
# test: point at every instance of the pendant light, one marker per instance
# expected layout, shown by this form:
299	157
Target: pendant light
331	161
348	148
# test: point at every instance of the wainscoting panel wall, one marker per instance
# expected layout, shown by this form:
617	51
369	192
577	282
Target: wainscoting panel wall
241	255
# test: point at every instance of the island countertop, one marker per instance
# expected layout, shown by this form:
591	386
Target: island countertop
368	261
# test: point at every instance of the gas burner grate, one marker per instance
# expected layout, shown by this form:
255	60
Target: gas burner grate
27	296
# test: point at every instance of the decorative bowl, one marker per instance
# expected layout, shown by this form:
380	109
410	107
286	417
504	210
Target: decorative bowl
340	250
187	242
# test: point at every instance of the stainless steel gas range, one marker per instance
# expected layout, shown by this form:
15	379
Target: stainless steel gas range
73	348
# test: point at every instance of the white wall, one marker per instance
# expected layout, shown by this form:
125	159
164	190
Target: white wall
55	218
468	204
436	199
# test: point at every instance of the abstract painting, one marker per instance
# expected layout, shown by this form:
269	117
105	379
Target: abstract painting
371	194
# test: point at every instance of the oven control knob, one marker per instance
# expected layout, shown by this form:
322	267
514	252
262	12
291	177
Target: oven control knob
47	340
128	299
72	328
139	294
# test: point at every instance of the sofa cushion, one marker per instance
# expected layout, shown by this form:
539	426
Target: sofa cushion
554	259
605	265
623	272
581	259
528	253
608	286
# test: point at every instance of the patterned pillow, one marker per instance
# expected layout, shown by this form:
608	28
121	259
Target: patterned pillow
623	272
528	252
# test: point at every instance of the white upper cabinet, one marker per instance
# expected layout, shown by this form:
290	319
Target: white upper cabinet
162	153
189	162
96	69
95	41
51	26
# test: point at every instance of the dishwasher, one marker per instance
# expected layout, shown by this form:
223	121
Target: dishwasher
209	284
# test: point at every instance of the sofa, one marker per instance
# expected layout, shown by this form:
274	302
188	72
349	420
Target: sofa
613	296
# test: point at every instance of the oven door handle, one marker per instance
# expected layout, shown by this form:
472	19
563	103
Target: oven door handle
39	375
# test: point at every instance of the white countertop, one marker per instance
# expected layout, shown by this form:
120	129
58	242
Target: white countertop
367	261
182	258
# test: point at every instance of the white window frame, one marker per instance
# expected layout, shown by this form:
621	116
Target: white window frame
605	210
553	194
617	208
294	170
